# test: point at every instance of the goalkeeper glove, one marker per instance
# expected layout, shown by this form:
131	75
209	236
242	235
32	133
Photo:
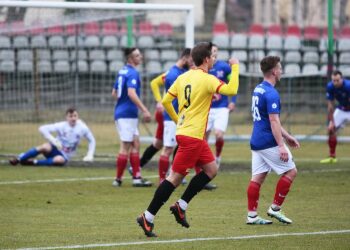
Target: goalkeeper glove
88	158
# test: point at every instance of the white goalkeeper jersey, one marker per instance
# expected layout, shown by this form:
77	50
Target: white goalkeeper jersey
69	136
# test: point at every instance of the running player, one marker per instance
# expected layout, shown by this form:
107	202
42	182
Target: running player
126	91
269	151
194	91
59	150
338	89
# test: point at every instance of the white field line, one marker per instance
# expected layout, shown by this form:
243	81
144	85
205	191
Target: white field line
243	237
65	180
19	182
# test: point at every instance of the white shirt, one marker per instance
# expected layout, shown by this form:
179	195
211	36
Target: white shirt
69	136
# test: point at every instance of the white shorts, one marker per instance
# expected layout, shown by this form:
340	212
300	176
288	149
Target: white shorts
127	128
218	119
169	134
341	117
269	159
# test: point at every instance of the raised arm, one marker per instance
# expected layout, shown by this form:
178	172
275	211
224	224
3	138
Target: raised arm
231	88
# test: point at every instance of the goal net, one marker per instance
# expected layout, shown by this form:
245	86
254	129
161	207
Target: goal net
56	55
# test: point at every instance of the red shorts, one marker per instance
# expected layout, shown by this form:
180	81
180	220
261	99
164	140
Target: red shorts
160	125
191	152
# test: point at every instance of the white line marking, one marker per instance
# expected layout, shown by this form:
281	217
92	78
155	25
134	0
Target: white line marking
18	182
65	180
243	237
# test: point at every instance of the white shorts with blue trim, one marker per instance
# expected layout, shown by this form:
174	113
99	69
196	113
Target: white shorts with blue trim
269	159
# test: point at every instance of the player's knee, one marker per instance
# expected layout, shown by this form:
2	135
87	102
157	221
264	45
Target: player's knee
59	161
219	135
211	170
44	148
158	144
331	132
291	174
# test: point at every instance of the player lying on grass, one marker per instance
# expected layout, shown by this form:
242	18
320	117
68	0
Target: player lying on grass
58	150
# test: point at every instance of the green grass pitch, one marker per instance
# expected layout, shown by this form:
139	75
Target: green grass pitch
57	208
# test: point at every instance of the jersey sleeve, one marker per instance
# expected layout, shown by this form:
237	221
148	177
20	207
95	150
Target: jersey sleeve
329	92
115	85
220	87
214	85
227	72
167	101
234	99
273	103
91	139
132	79
155	86
47	129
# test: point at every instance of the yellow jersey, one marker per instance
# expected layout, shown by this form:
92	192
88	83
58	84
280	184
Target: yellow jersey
155	86
194	90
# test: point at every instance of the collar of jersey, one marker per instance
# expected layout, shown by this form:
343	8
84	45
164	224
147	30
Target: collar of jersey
266	83
201	70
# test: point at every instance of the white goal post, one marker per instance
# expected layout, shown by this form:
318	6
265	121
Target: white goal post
188	8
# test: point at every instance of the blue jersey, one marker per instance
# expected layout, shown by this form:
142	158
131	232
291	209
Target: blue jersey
127	77
170	78
265	101
342	94
221	70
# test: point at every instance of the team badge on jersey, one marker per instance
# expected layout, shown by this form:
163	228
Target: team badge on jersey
274	105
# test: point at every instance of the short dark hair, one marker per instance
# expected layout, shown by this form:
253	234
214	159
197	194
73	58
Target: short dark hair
186	52
201	51
128	52
268	63
337	72
70	110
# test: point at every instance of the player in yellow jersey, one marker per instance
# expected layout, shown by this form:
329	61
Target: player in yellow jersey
194	91
157	143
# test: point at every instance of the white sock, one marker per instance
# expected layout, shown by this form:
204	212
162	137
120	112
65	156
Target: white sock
252	214
183	204
275	207
149	217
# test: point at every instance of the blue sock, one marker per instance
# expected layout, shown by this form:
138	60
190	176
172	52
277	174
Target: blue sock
44	162
47	162
31	153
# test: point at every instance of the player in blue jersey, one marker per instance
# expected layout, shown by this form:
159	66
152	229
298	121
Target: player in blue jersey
337	89
126	91
269	151
169	140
